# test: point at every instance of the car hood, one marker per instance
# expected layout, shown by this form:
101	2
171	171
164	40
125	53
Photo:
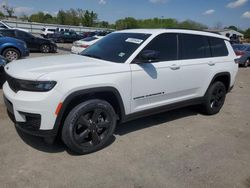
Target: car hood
61	67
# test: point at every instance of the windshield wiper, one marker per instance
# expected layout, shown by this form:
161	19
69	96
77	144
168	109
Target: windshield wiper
94	56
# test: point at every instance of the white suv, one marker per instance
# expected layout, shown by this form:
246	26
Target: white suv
126	75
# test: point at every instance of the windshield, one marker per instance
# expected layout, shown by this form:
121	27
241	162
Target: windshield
116	47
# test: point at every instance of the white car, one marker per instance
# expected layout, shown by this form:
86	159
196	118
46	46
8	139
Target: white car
81	45
126	75
47	31
6	26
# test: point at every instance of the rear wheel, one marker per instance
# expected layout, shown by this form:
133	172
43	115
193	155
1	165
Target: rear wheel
11	54
214	98
89	126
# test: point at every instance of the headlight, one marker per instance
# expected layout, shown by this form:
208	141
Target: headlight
37	86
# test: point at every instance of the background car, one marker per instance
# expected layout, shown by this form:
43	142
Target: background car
82	44
47	31
3	62
6	26
33	43
13	49
243	51
66	36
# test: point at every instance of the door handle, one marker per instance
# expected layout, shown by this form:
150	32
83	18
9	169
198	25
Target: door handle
211	64
175	67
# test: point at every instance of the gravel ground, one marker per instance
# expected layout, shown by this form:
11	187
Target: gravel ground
178	149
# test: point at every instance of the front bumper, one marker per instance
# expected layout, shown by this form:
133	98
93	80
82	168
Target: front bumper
32	112
26	53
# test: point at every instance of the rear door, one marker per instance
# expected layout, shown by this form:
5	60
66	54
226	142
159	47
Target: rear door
196	64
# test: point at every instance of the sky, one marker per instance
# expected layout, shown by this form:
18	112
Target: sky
209	12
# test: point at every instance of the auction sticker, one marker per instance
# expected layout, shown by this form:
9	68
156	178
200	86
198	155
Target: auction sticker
134	40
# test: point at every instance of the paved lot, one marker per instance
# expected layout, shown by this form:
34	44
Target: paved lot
178	149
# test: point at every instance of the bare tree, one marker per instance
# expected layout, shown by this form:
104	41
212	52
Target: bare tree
9	10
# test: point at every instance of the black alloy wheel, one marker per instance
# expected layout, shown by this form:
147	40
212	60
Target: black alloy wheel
89	126
45	48
214	98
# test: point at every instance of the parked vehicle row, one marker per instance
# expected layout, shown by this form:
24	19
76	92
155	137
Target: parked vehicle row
33	43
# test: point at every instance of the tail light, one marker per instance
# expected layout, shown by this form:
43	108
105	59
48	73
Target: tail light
239	53
84	46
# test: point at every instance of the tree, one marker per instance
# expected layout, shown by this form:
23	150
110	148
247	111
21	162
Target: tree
1	14
247	33
89	19
232	27
61	17
127	23
9	10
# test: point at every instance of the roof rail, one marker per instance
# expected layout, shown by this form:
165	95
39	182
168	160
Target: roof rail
214	32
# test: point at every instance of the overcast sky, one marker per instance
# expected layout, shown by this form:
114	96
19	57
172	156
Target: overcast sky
209	12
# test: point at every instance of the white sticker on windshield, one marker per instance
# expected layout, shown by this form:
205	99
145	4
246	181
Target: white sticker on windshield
134	40
121	54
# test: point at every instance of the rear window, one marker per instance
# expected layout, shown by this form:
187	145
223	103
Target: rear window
194	46
218	47
88	39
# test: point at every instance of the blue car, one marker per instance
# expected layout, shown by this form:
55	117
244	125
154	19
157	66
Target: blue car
13	49
243	51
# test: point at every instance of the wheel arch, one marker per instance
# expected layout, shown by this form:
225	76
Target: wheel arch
6	47
223	77
109	94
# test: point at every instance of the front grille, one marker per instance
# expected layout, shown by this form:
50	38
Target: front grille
13	83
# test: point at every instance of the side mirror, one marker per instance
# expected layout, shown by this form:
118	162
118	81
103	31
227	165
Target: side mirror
149	56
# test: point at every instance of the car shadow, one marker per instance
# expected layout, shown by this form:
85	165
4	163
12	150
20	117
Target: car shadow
154	120
121	130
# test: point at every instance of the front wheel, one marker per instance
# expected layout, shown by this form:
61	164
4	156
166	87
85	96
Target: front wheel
11	54
89	126
214	98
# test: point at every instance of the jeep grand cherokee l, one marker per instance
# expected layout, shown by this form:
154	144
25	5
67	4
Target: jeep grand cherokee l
126	75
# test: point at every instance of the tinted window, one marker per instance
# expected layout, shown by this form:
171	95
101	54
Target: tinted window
166	45
7	33
51	30
218	47
116	47
23	34
194	46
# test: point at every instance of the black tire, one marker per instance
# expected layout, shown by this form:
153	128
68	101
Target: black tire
214	98
11	54
45	48
89	126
